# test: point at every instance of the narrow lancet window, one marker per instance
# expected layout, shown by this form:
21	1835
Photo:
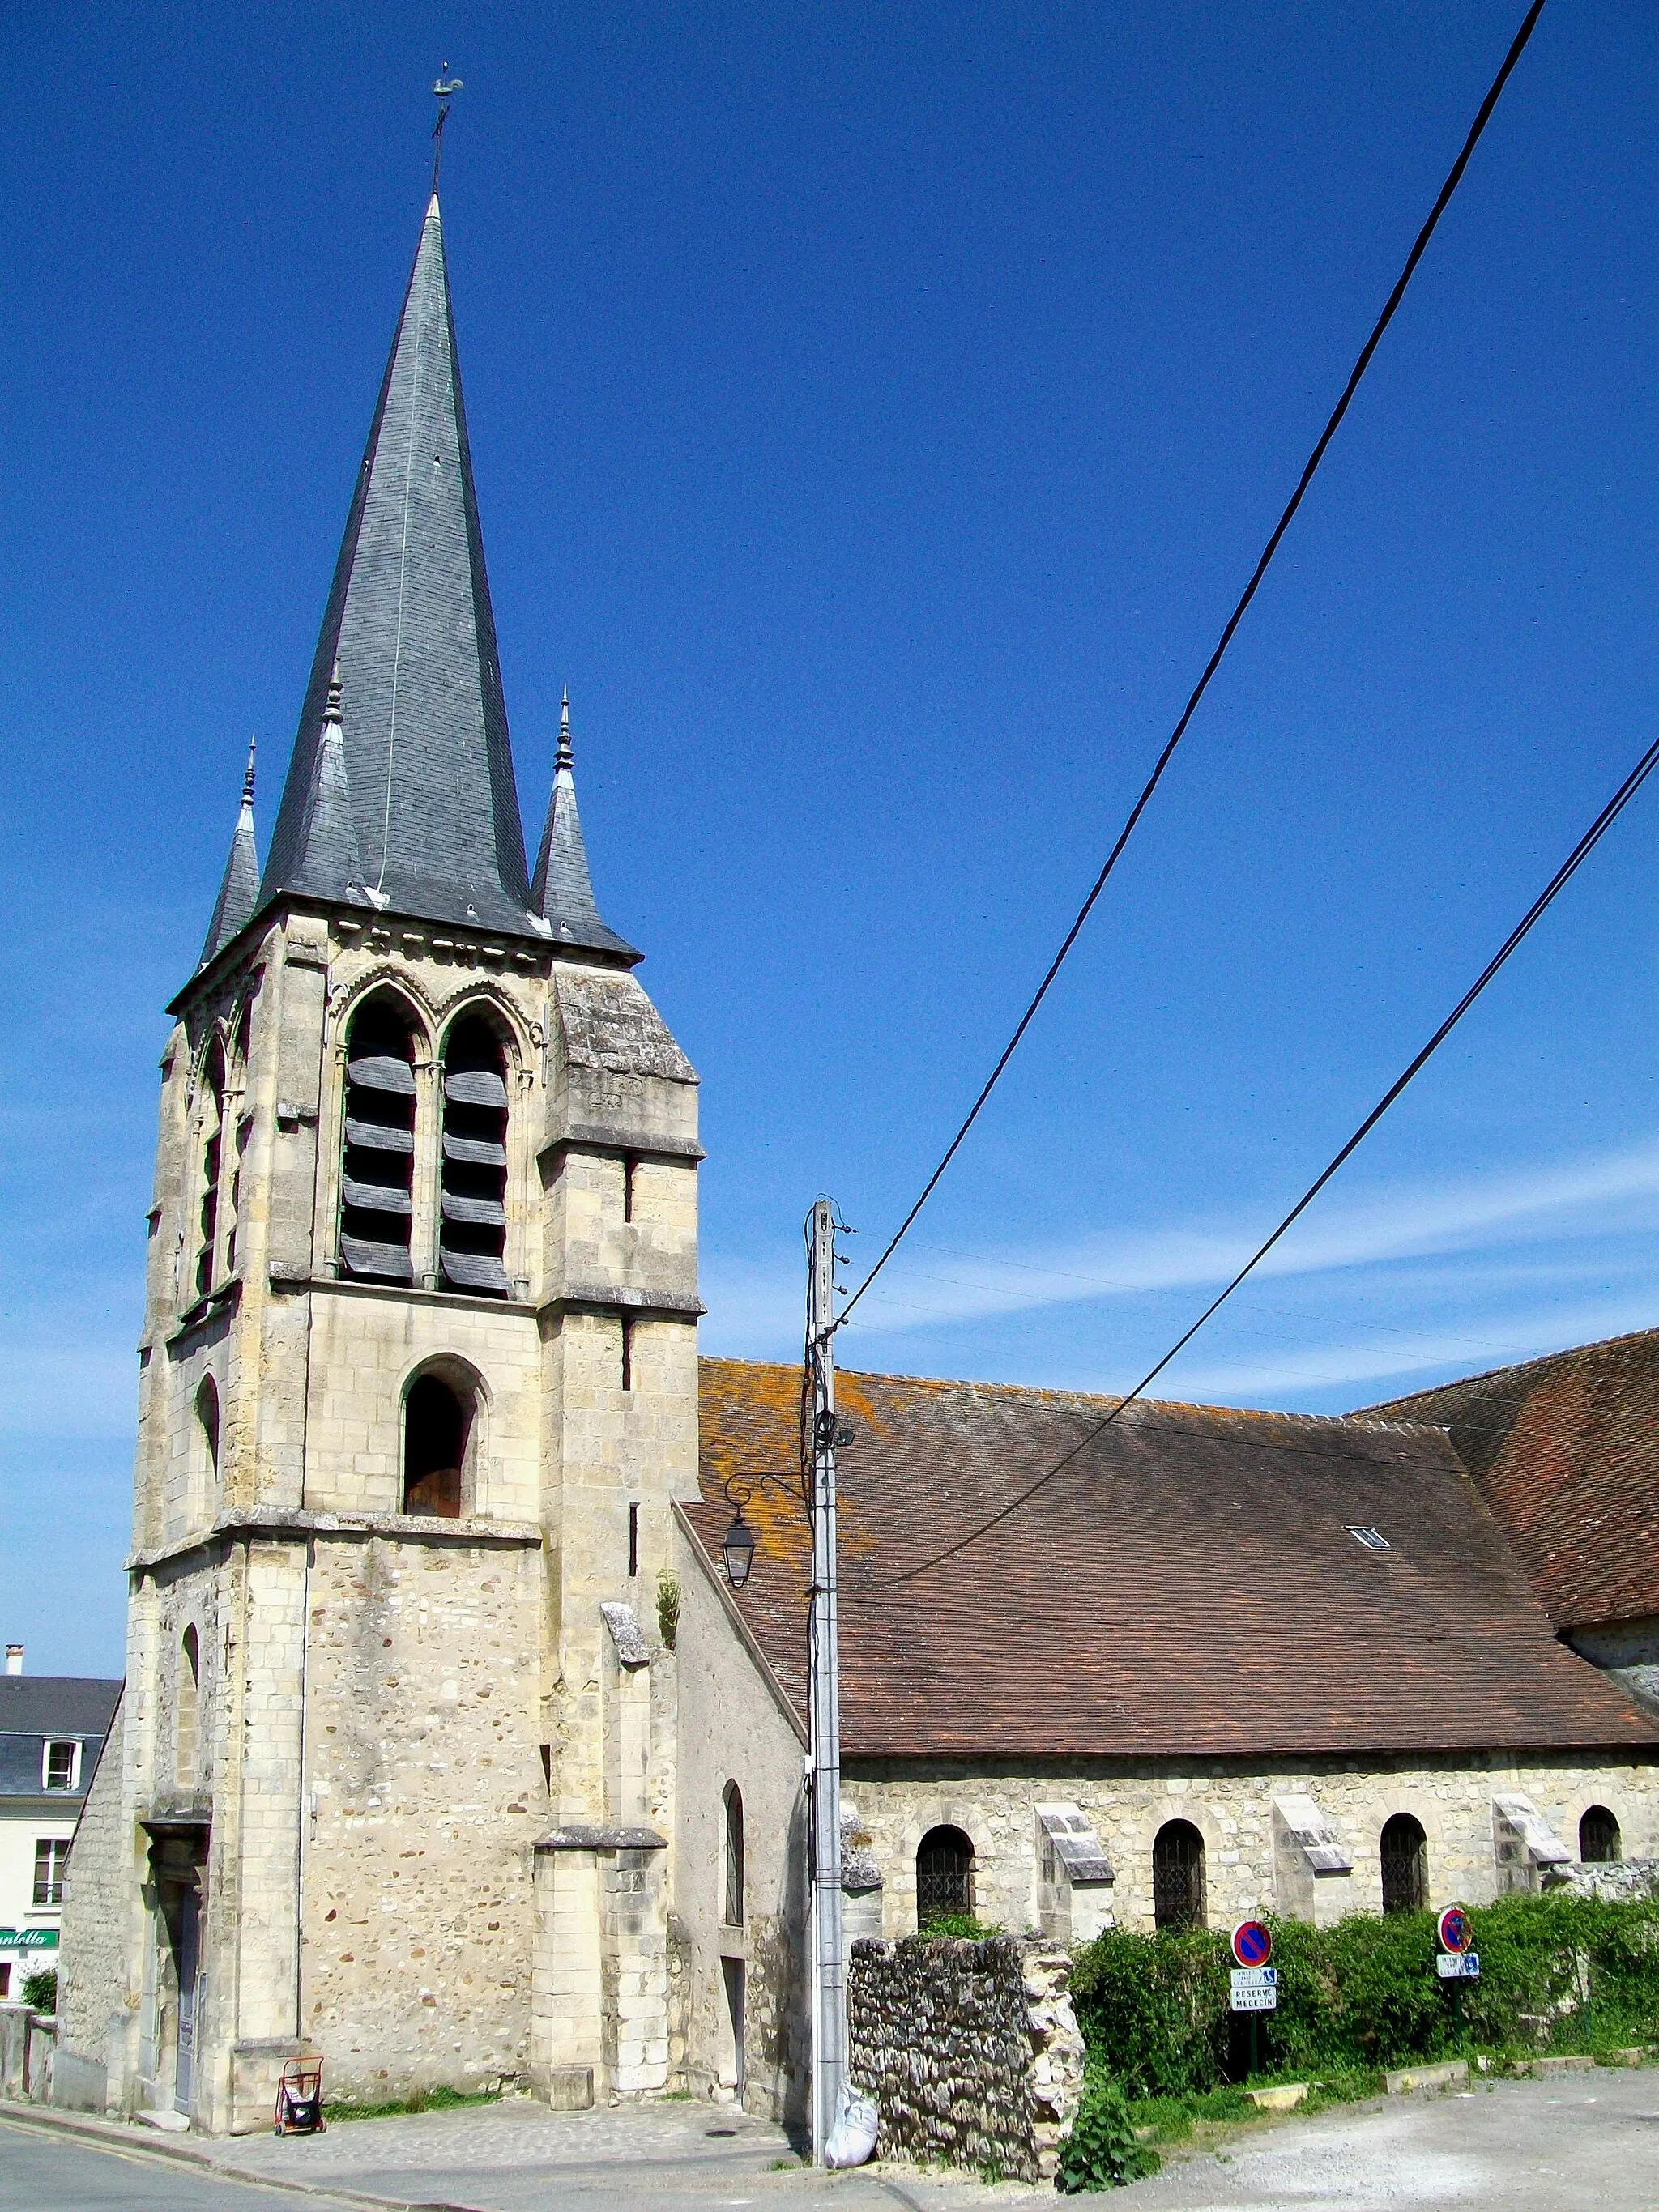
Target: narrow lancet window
213	1127
186	1721
734	1881
376	1201
472	1230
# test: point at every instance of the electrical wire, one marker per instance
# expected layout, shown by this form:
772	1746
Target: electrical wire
1563	875
1454	178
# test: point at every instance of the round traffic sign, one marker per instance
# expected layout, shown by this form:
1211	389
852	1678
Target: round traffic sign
1253	1946
1456	1933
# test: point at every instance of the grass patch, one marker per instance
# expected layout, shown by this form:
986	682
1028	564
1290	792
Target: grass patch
440	2099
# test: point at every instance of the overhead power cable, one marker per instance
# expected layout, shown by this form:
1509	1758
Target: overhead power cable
1454	178
1563	875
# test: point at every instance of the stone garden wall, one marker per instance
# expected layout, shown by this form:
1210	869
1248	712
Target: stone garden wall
970	2050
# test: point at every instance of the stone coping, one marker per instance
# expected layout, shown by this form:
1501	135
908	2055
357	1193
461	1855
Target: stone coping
296	1521
579	1837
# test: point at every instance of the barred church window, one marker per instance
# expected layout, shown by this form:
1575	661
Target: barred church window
944	1874
1598	1835
51	1858
1404	1851
472	1236
437	1431
376	1197
733	1805
213	1121
187	1716
1178	1888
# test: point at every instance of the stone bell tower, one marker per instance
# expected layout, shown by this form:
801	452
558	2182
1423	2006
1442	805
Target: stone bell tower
418	1386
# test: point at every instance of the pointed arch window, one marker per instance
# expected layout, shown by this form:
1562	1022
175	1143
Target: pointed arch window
187	1717
376	1207
472	1201
733	1806
213	1130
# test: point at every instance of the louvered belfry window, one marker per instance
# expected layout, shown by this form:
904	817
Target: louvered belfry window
376	1201
472	1225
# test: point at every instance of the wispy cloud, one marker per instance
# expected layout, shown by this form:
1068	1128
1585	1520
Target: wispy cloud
1437	1255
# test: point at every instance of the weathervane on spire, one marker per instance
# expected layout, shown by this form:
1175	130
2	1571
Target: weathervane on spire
443	94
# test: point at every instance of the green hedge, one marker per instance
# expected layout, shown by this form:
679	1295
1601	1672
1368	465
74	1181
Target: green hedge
1565	1973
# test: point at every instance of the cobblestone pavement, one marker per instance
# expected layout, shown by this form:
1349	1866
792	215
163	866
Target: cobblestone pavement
517	2156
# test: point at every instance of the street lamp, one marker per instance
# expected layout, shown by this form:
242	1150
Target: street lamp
739	1546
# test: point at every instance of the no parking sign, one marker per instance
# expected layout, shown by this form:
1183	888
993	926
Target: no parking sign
1254	1982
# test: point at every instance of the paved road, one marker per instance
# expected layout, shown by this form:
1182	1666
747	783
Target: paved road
1579	2141
54	2173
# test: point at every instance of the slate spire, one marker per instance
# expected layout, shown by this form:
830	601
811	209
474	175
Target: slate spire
562	892
420	767
327	863
238	889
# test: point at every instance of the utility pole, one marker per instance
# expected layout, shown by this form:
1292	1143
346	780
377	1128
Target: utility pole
830	1994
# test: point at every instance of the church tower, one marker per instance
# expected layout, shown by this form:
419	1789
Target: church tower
418	1388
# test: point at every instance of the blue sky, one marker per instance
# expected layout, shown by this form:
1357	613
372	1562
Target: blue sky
875	412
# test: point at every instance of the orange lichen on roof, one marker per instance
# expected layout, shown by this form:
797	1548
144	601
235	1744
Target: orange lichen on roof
1188	1585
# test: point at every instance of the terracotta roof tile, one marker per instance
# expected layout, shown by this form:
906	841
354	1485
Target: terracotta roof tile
1566	1452
1188	1586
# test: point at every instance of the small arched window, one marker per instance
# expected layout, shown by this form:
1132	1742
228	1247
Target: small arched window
473	1203
187	1719
944	1874
213	1130
1179	1899
1405	1854
438	1418
376	1201
733	1805
1598	1835
205	1443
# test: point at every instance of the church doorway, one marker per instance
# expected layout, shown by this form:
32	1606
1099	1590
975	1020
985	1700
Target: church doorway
187	1956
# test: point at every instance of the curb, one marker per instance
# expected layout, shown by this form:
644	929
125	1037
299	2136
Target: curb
127	2137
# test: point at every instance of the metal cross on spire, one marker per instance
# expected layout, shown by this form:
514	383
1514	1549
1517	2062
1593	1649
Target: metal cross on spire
443	94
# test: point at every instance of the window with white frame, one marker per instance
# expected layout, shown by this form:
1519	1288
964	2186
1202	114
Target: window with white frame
60	1764
51	1858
